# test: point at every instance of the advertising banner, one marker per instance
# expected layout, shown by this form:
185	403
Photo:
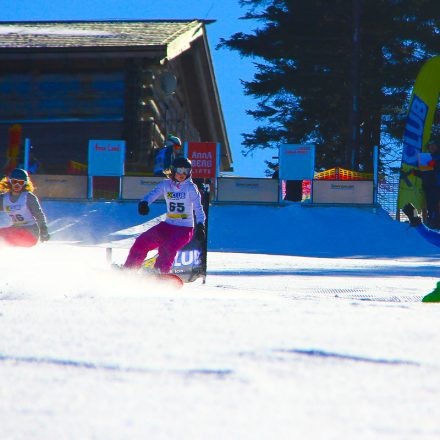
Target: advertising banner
106	157
343	191
62	186
237	189
419	120
204	157
297	161
134	187
13	149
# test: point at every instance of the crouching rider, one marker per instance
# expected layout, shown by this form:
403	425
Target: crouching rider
182	198
17	200
430	235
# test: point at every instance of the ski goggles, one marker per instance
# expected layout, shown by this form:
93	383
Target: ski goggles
182	170
20	182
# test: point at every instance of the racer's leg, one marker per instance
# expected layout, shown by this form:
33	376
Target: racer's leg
176	238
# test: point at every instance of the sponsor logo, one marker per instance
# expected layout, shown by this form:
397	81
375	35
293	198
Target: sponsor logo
201	160
55	180
12	208
187	258
248	185
175	195
203	163
413	135
340	186
200	155
107	147
300	150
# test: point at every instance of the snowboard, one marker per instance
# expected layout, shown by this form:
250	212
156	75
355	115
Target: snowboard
169	279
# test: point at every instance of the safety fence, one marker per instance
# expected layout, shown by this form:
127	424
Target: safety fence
342	174
387	194
228	189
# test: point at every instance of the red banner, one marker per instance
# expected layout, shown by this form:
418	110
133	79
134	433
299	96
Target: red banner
203	157
14	144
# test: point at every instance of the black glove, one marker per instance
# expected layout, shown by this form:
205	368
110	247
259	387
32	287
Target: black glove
412	214
200	232
143	208
44	235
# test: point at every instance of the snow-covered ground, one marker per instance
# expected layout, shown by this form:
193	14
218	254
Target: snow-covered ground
309	326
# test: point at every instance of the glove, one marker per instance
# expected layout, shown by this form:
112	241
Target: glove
412	214
44	235
200	232
143	208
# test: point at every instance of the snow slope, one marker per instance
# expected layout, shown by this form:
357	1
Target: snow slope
287	230
296	341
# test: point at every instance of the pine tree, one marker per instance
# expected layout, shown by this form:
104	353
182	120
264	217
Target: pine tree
303	53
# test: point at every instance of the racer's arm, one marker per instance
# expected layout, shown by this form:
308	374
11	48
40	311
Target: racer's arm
34	207
155	193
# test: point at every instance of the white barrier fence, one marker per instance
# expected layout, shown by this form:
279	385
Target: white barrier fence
228	189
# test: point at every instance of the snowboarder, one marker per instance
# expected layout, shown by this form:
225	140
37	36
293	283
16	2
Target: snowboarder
24	210
182	198
431	186
430	235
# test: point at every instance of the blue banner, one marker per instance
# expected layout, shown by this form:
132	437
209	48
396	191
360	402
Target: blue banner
106	157
297	162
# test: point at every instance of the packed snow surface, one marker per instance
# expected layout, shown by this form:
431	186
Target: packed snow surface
309	326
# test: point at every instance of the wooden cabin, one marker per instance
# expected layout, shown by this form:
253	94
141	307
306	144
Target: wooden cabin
63	83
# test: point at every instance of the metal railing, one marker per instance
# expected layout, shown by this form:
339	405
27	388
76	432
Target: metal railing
387	193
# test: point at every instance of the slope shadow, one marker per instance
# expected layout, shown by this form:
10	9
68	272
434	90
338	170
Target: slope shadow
383	271
347	357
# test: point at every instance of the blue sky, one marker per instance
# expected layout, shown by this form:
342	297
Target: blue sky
229	67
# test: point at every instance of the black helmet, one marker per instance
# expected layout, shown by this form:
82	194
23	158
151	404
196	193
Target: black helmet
19	174
181	162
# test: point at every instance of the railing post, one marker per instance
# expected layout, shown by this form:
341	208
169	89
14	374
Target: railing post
375	172
27	149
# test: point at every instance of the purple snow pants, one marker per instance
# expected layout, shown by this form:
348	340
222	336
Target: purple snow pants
168	239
